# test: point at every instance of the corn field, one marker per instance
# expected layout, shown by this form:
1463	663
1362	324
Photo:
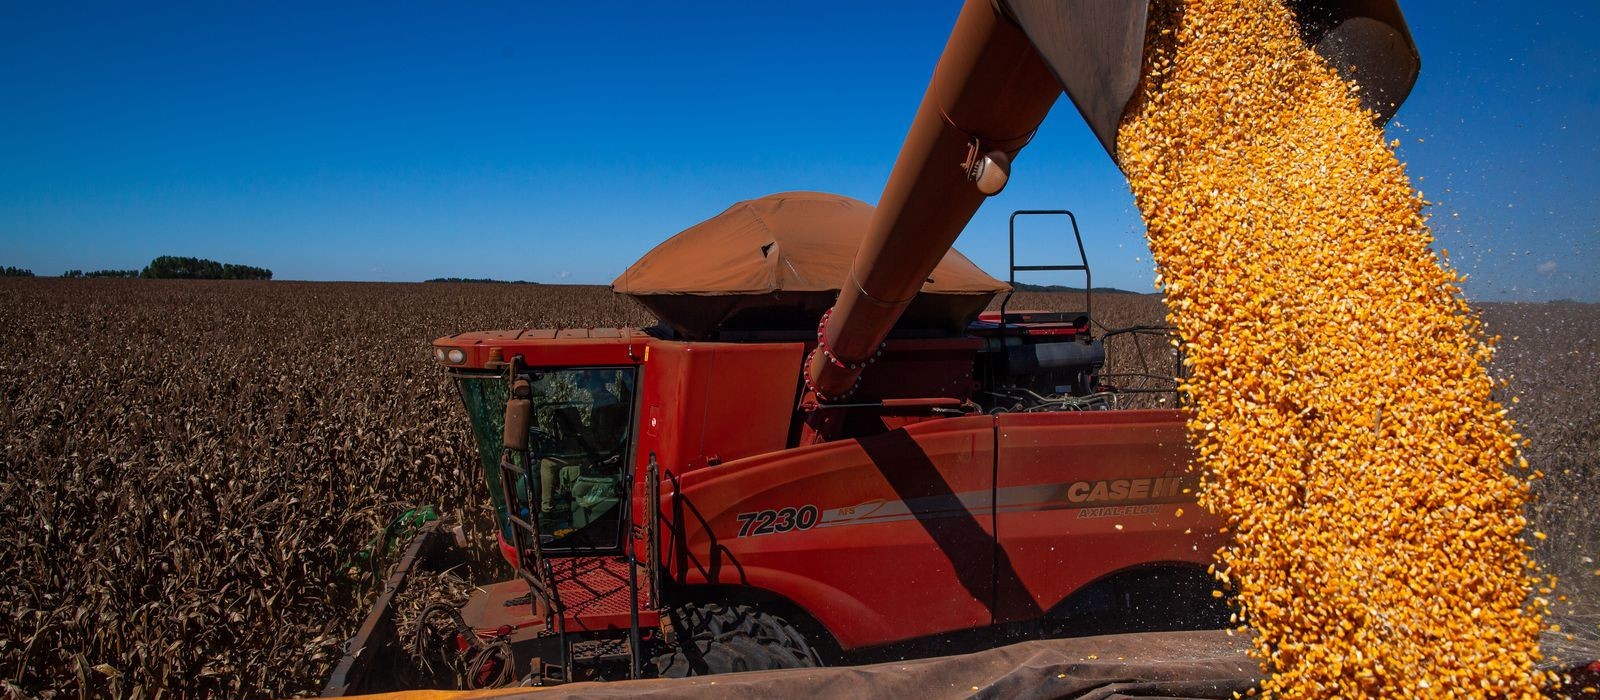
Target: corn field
190	470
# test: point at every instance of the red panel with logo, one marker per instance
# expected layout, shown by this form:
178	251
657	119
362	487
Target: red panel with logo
881	538
1081	495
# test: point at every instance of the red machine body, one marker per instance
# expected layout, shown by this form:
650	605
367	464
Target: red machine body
925	520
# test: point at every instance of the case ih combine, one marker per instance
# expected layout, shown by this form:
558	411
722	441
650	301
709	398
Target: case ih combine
826	447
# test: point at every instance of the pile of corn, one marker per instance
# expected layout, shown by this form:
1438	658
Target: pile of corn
1342	411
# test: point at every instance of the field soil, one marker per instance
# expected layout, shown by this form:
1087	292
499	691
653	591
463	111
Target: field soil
190	471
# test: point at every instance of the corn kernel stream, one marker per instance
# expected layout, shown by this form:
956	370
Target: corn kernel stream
1341	406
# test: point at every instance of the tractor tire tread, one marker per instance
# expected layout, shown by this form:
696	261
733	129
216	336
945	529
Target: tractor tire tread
715	638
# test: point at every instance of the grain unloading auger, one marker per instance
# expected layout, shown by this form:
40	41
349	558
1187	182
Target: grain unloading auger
734	489
1005	65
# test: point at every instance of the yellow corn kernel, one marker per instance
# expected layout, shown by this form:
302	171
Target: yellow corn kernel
1342	416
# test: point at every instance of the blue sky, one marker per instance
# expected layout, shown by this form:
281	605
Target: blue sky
557	142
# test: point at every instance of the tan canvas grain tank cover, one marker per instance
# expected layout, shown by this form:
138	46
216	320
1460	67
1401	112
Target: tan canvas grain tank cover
792	241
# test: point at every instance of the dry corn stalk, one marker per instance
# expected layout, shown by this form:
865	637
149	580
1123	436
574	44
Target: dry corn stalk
187	468
1342	409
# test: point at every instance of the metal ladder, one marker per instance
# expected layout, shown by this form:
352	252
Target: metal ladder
532	564
1157	333
1082	266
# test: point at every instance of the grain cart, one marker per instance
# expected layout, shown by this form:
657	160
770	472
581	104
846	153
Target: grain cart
826	448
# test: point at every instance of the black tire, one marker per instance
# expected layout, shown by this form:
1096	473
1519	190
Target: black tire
714	638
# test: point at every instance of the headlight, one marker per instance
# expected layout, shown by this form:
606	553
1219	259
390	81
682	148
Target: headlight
455	356
438	354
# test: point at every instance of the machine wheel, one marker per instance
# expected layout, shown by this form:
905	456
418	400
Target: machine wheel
714	638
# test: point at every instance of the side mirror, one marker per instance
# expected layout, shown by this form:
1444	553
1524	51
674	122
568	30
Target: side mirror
519	411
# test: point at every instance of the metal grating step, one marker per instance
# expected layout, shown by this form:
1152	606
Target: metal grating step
601	650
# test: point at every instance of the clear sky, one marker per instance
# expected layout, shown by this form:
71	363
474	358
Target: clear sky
557	142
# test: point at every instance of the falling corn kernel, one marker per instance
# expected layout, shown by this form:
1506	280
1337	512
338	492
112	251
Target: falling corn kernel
1340	407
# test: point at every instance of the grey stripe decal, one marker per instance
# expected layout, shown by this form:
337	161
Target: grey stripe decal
1071	495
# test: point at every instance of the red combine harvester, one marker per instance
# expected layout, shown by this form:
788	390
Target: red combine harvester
827	449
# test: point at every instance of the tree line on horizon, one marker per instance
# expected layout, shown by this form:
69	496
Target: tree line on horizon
169	267
1025	287
178	267
174	267
476	280
101	273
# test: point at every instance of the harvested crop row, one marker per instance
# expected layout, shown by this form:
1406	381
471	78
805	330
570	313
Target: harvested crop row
1342	409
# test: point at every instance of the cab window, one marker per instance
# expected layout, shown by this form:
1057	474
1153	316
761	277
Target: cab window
579	439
